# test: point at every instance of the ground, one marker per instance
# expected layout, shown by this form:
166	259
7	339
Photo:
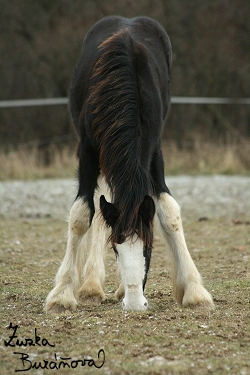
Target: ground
166	339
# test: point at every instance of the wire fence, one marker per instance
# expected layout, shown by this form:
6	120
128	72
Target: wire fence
174	100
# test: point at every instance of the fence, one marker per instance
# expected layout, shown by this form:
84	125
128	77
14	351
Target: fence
64	101
174	100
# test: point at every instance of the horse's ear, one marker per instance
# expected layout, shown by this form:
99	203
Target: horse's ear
147	209
109	212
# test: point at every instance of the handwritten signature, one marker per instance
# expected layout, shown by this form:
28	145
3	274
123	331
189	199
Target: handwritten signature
56	364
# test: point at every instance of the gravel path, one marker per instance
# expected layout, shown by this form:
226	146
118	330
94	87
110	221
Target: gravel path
200	196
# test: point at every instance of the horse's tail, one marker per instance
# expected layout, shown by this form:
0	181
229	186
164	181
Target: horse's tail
116	122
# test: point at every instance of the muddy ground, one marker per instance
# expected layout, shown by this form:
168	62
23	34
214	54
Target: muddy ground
163	340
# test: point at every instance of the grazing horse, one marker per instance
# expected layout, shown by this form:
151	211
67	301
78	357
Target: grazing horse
119	100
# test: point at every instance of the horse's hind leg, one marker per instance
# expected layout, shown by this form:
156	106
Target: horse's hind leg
119	294
188	288
67	281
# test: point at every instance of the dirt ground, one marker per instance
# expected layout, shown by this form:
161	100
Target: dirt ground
163	340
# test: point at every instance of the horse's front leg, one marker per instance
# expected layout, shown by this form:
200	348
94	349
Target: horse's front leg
67	281
96	242
187	283
94	268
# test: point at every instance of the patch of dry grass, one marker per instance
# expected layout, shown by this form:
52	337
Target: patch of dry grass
163	340
32	163
200	158
207	158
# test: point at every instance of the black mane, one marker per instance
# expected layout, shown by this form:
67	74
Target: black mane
115	108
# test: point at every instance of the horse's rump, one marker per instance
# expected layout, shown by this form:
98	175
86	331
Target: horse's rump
150	49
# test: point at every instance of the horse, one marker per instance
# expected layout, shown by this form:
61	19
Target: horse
119	101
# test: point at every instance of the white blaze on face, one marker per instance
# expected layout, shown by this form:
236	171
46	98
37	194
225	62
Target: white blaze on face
131	265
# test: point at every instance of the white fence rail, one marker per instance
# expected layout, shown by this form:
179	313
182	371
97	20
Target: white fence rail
174	100
204	100
32	102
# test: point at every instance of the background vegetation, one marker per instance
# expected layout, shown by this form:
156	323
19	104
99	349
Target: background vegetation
40	43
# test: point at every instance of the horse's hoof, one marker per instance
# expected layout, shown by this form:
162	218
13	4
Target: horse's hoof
57	307
197	296
91	293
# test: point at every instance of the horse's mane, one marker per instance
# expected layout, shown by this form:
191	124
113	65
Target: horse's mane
115	109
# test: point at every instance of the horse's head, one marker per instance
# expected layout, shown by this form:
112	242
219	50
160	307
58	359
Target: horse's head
132	244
